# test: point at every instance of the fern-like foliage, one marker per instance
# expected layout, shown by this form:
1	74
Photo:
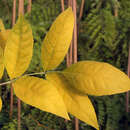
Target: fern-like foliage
104	37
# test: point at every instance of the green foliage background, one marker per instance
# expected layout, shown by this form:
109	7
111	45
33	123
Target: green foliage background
102	37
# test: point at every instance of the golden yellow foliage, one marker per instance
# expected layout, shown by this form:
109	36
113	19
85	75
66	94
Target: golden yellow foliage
0	104
63	91
3	37
41	94
97	78
1	62
19	47
57	40
78	105
2	28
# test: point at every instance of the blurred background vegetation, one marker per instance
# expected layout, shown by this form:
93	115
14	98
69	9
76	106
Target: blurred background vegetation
104	35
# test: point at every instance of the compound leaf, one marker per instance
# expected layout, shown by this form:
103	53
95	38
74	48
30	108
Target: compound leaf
97	78
19	47
57	40
78	105
41	94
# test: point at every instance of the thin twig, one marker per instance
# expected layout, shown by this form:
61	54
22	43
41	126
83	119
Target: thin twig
74	5
128	73
80	15
11	90
11	81
20	12
11	102
29	6
8	82
21	7
19	114
39	124
14	13
81	10
62	5
75	32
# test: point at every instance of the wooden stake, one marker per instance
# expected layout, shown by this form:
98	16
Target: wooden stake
128	72
19	113
74	5
62	5
29	6
72	53
81	10
71	45
20	12
14	13
80	15
68	54
21	7
75	32
11	93
116	10
11	102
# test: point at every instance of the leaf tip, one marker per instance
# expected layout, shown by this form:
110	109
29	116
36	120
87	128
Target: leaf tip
0	104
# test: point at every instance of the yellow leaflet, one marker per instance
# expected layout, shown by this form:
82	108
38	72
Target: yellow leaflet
97	78
57	40
41	94
1	62
0	104
78	105
3	38
2	28
19	47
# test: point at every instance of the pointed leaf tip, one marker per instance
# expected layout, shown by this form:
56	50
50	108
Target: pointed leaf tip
19	48
0	104
57	41
97	78
40	94
77	105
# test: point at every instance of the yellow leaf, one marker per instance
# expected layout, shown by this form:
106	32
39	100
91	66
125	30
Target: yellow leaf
57	40
2	28
0	104
78	105
1	62
41	94
3	38
97	78
19	47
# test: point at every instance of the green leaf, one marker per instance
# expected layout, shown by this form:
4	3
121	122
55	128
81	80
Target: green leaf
57	40
97	78
40	94
78	105
19	47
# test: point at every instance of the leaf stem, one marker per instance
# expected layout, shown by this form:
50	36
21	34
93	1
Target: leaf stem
11	81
